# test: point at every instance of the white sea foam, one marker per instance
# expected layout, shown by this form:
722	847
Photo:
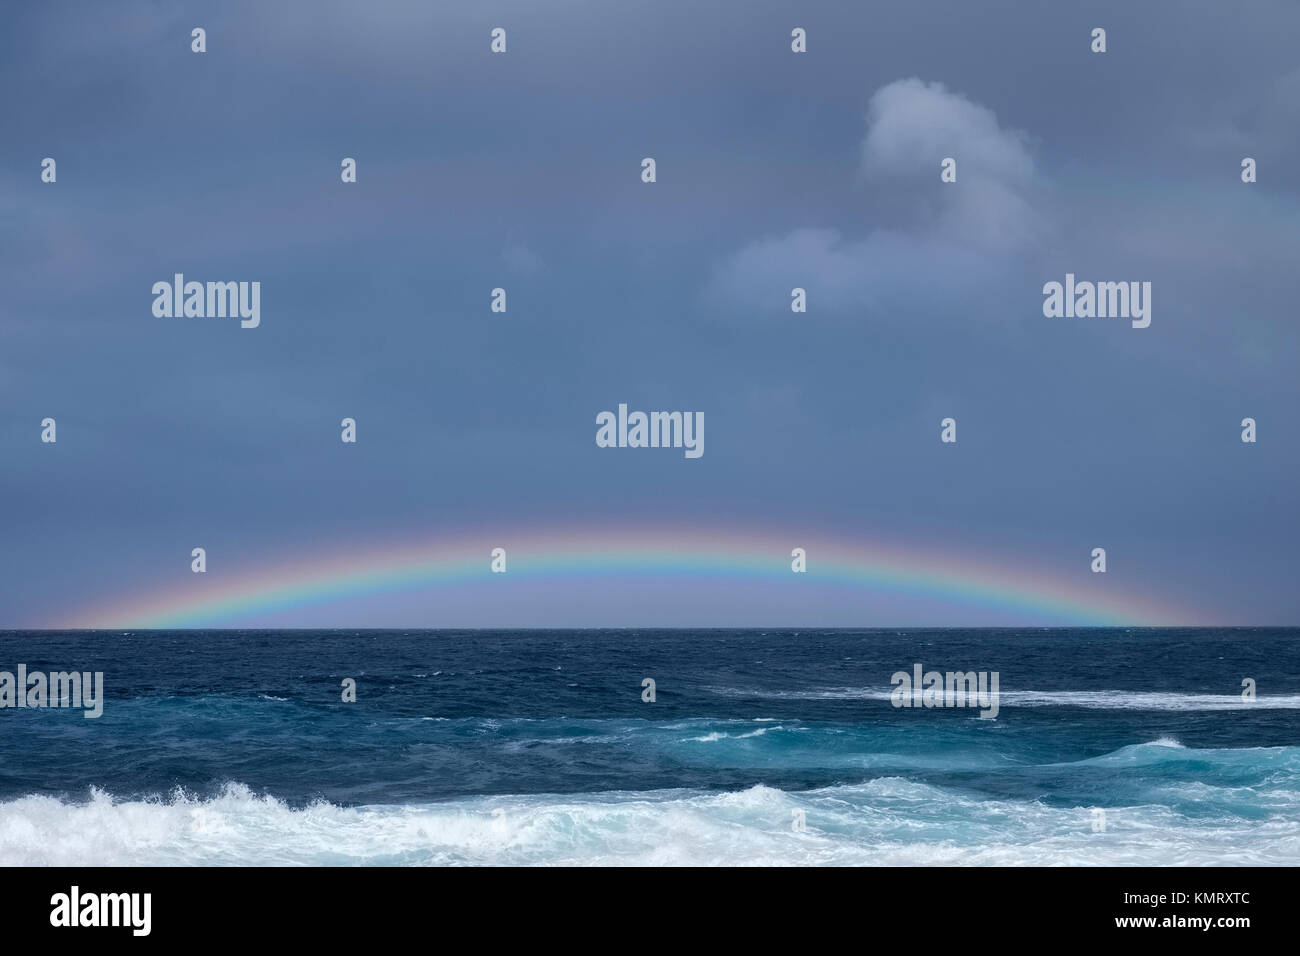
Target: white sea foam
716	735
1147	700
887	821
1092	699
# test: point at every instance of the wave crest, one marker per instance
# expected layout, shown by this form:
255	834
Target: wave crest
886	821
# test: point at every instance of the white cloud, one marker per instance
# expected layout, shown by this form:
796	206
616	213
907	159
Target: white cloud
952	237
912	126
884	272
521	260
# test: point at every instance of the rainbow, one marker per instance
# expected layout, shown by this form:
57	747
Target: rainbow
973	581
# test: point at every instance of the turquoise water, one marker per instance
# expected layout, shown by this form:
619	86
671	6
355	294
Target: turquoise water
1109	746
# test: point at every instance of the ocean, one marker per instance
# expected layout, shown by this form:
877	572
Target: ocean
767	747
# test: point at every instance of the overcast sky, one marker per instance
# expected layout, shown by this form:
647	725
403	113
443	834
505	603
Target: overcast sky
775	170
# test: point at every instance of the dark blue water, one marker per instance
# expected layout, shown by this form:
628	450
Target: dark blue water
1147	723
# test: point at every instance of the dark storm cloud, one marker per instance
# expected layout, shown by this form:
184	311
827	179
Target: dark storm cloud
774	170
